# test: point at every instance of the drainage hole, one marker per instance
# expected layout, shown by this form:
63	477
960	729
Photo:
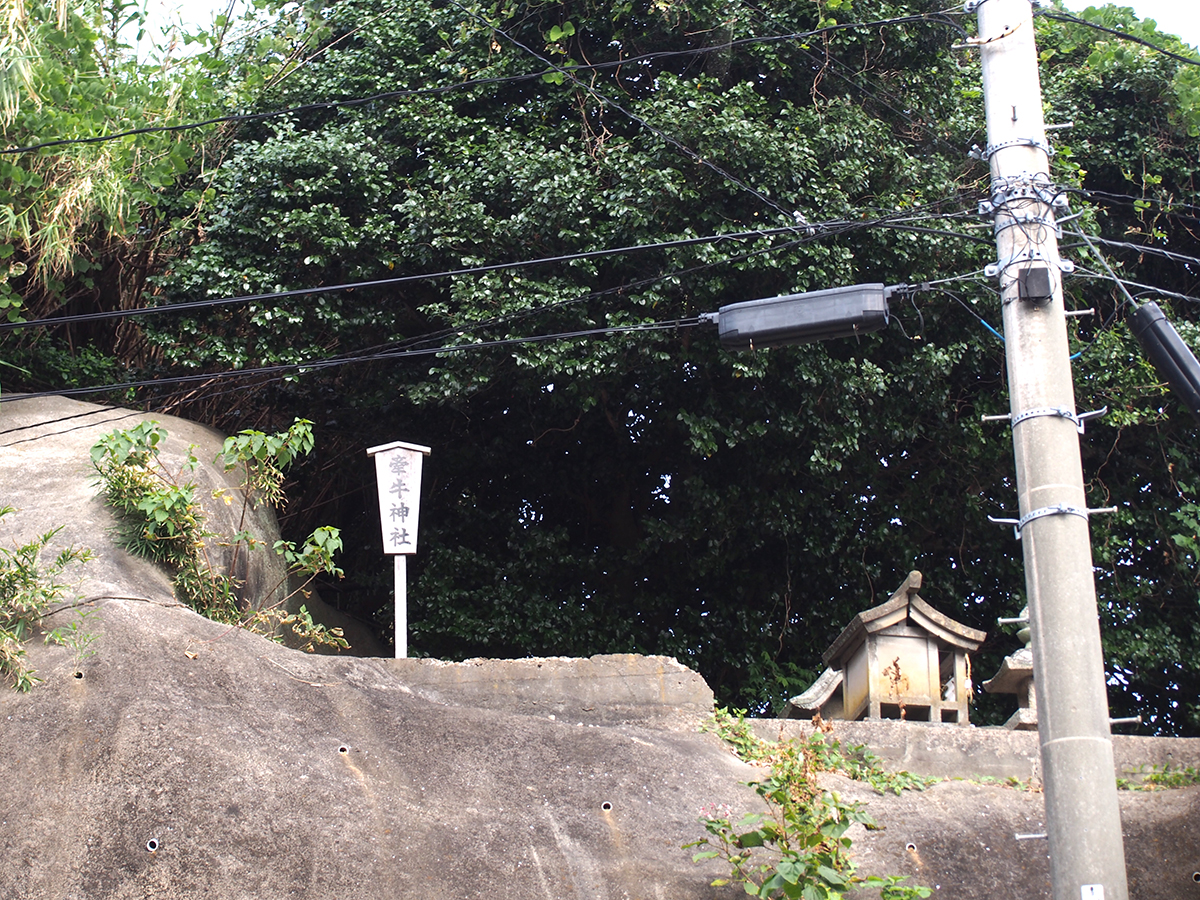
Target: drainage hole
343	749
910	847
606	806
152	845
78	674
1196	877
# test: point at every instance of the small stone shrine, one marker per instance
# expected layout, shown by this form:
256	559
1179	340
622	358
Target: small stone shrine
1016	677
900	660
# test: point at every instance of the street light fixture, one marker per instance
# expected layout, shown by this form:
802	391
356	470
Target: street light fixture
800	318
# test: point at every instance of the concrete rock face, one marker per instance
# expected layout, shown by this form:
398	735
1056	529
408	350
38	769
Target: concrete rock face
46	474
260	772
191	761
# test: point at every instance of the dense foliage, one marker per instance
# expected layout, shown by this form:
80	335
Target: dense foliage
648	491
82	218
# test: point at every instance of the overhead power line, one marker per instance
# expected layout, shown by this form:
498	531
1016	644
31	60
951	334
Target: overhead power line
1123	35
823	229
386	282
1126	245
937	17
413	348
444	334
1143	289
1169	207
334	362
628	288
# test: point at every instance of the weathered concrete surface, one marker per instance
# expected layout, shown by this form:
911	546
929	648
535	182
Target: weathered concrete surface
964	838
261	772
950	751
603	690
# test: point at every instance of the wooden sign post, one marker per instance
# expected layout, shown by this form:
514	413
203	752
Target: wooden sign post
398	479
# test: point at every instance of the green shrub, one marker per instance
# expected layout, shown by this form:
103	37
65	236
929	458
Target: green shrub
163	520
798	848
28	592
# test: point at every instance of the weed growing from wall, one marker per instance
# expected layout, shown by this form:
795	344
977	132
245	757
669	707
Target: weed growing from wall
28	592
163	520
1153	778
798	848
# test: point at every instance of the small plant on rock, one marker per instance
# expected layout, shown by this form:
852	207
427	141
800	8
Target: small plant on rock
164	521
28	591
798	849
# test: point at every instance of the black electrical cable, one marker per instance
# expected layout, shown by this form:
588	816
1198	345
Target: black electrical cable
1140	248
1123	35
333	362
1127	283
411	346
92	412
825	229
830	231
499	320
448	332
385	282
1168	207
442	89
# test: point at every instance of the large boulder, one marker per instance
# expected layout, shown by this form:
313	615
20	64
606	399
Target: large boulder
46	474
188	760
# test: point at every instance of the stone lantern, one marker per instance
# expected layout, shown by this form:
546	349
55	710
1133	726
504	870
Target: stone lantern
1016	677
900	660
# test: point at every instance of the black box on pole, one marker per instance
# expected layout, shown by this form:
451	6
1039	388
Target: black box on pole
799	318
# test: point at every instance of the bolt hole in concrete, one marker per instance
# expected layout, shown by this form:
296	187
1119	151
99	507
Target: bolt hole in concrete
606	806
910	847
343	749
152	845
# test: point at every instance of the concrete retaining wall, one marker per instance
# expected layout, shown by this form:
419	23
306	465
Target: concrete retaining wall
949	751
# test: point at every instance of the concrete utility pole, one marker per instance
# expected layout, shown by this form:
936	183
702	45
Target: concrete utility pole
1087	857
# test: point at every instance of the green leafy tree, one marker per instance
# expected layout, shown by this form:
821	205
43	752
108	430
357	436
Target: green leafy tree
645	493
82	217
649	491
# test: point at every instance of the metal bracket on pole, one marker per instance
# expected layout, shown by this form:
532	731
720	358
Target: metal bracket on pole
1079	419
1024	186
1027	219
995	269
1061	411
1059	510
984	155
1015	620
1128	720
1027	186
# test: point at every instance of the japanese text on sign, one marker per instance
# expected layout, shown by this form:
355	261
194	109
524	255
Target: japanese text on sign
398	472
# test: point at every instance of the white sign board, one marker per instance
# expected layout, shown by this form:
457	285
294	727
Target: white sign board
398	479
